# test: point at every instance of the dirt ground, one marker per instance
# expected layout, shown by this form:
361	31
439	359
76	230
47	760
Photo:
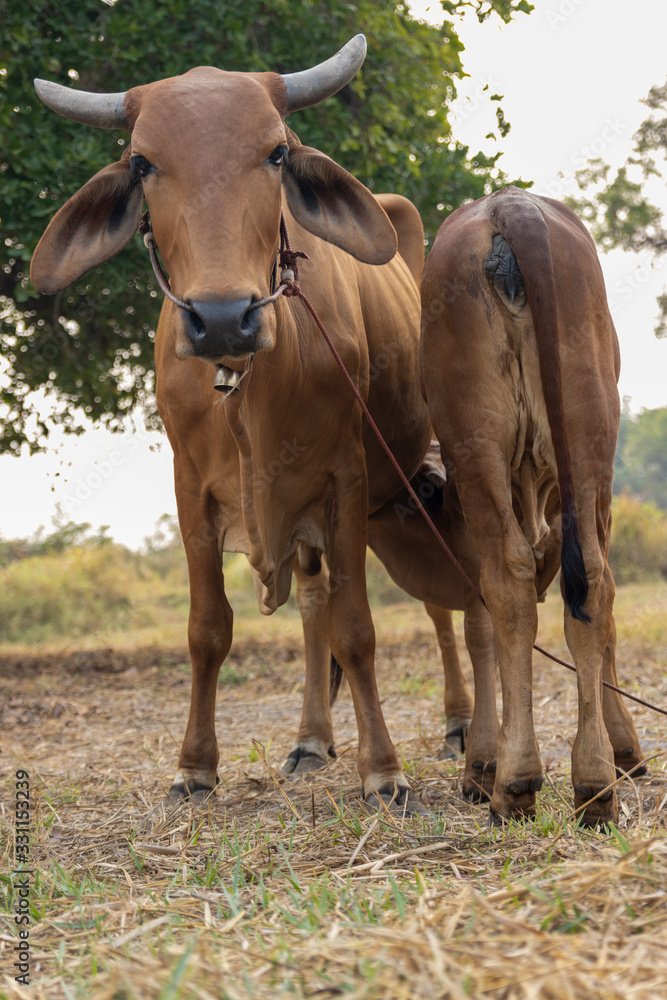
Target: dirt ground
158	903
118	717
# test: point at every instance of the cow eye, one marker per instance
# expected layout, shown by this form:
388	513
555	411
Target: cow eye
140	166
278	156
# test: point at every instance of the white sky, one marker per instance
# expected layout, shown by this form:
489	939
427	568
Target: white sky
572	75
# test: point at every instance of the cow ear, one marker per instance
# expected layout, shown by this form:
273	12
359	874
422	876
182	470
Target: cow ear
332	204
97	222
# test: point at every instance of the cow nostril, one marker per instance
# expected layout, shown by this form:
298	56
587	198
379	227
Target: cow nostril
251	322
221	326
197	323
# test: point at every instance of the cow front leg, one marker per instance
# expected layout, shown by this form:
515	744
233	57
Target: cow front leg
617	719
458	696
352	641
315	745
209	638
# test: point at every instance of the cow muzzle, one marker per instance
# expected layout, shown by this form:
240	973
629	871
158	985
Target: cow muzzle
219	328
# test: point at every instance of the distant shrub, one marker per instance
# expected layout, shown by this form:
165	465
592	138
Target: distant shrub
74	592
163	554
638	540
168	563
64	536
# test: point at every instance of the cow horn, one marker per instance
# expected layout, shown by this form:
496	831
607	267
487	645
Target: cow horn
101	110
311	86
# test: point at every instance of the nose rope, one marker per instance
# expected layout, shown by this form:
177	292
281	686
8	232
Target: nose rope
289	269
146	231
228	380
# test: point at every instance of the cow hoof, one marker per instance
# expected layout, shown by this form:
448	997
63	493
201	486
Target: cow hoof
515	801
400	800
455	742
525	786
627	760
192	791
305	760
498	821
479	781
599	813
475	793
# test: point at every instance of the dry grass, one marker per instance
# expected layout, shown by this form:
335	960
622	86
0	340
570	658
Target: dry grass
281	888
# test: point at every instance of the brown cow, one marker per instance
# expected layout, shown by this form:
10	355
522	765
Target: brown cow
282	464
519	363
402	540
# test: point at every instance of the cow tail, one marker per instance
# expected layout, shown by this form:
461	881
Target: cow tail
524	228
335	678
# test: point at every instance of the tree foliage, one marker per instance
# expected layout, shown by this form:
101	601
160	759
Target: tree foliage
90	346
641	457
616	208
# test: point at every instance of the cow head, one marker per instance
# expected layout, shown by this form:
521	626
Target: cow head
210	153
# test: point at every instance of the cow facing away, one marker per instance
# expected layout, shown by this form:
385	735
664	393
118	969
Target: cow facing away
519	365
282	465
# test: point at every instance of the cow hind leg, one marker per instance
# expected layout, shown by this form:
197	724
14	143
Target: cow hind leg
482	746
508	583
314	747
458	696
592	755
628	754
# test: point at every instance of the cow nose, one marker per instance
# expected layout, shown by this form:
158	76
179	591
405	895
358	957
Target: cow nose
220	327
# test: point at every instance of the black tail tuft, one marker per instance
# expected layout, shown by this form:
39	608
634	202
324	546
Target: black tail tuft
573	581
335	678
